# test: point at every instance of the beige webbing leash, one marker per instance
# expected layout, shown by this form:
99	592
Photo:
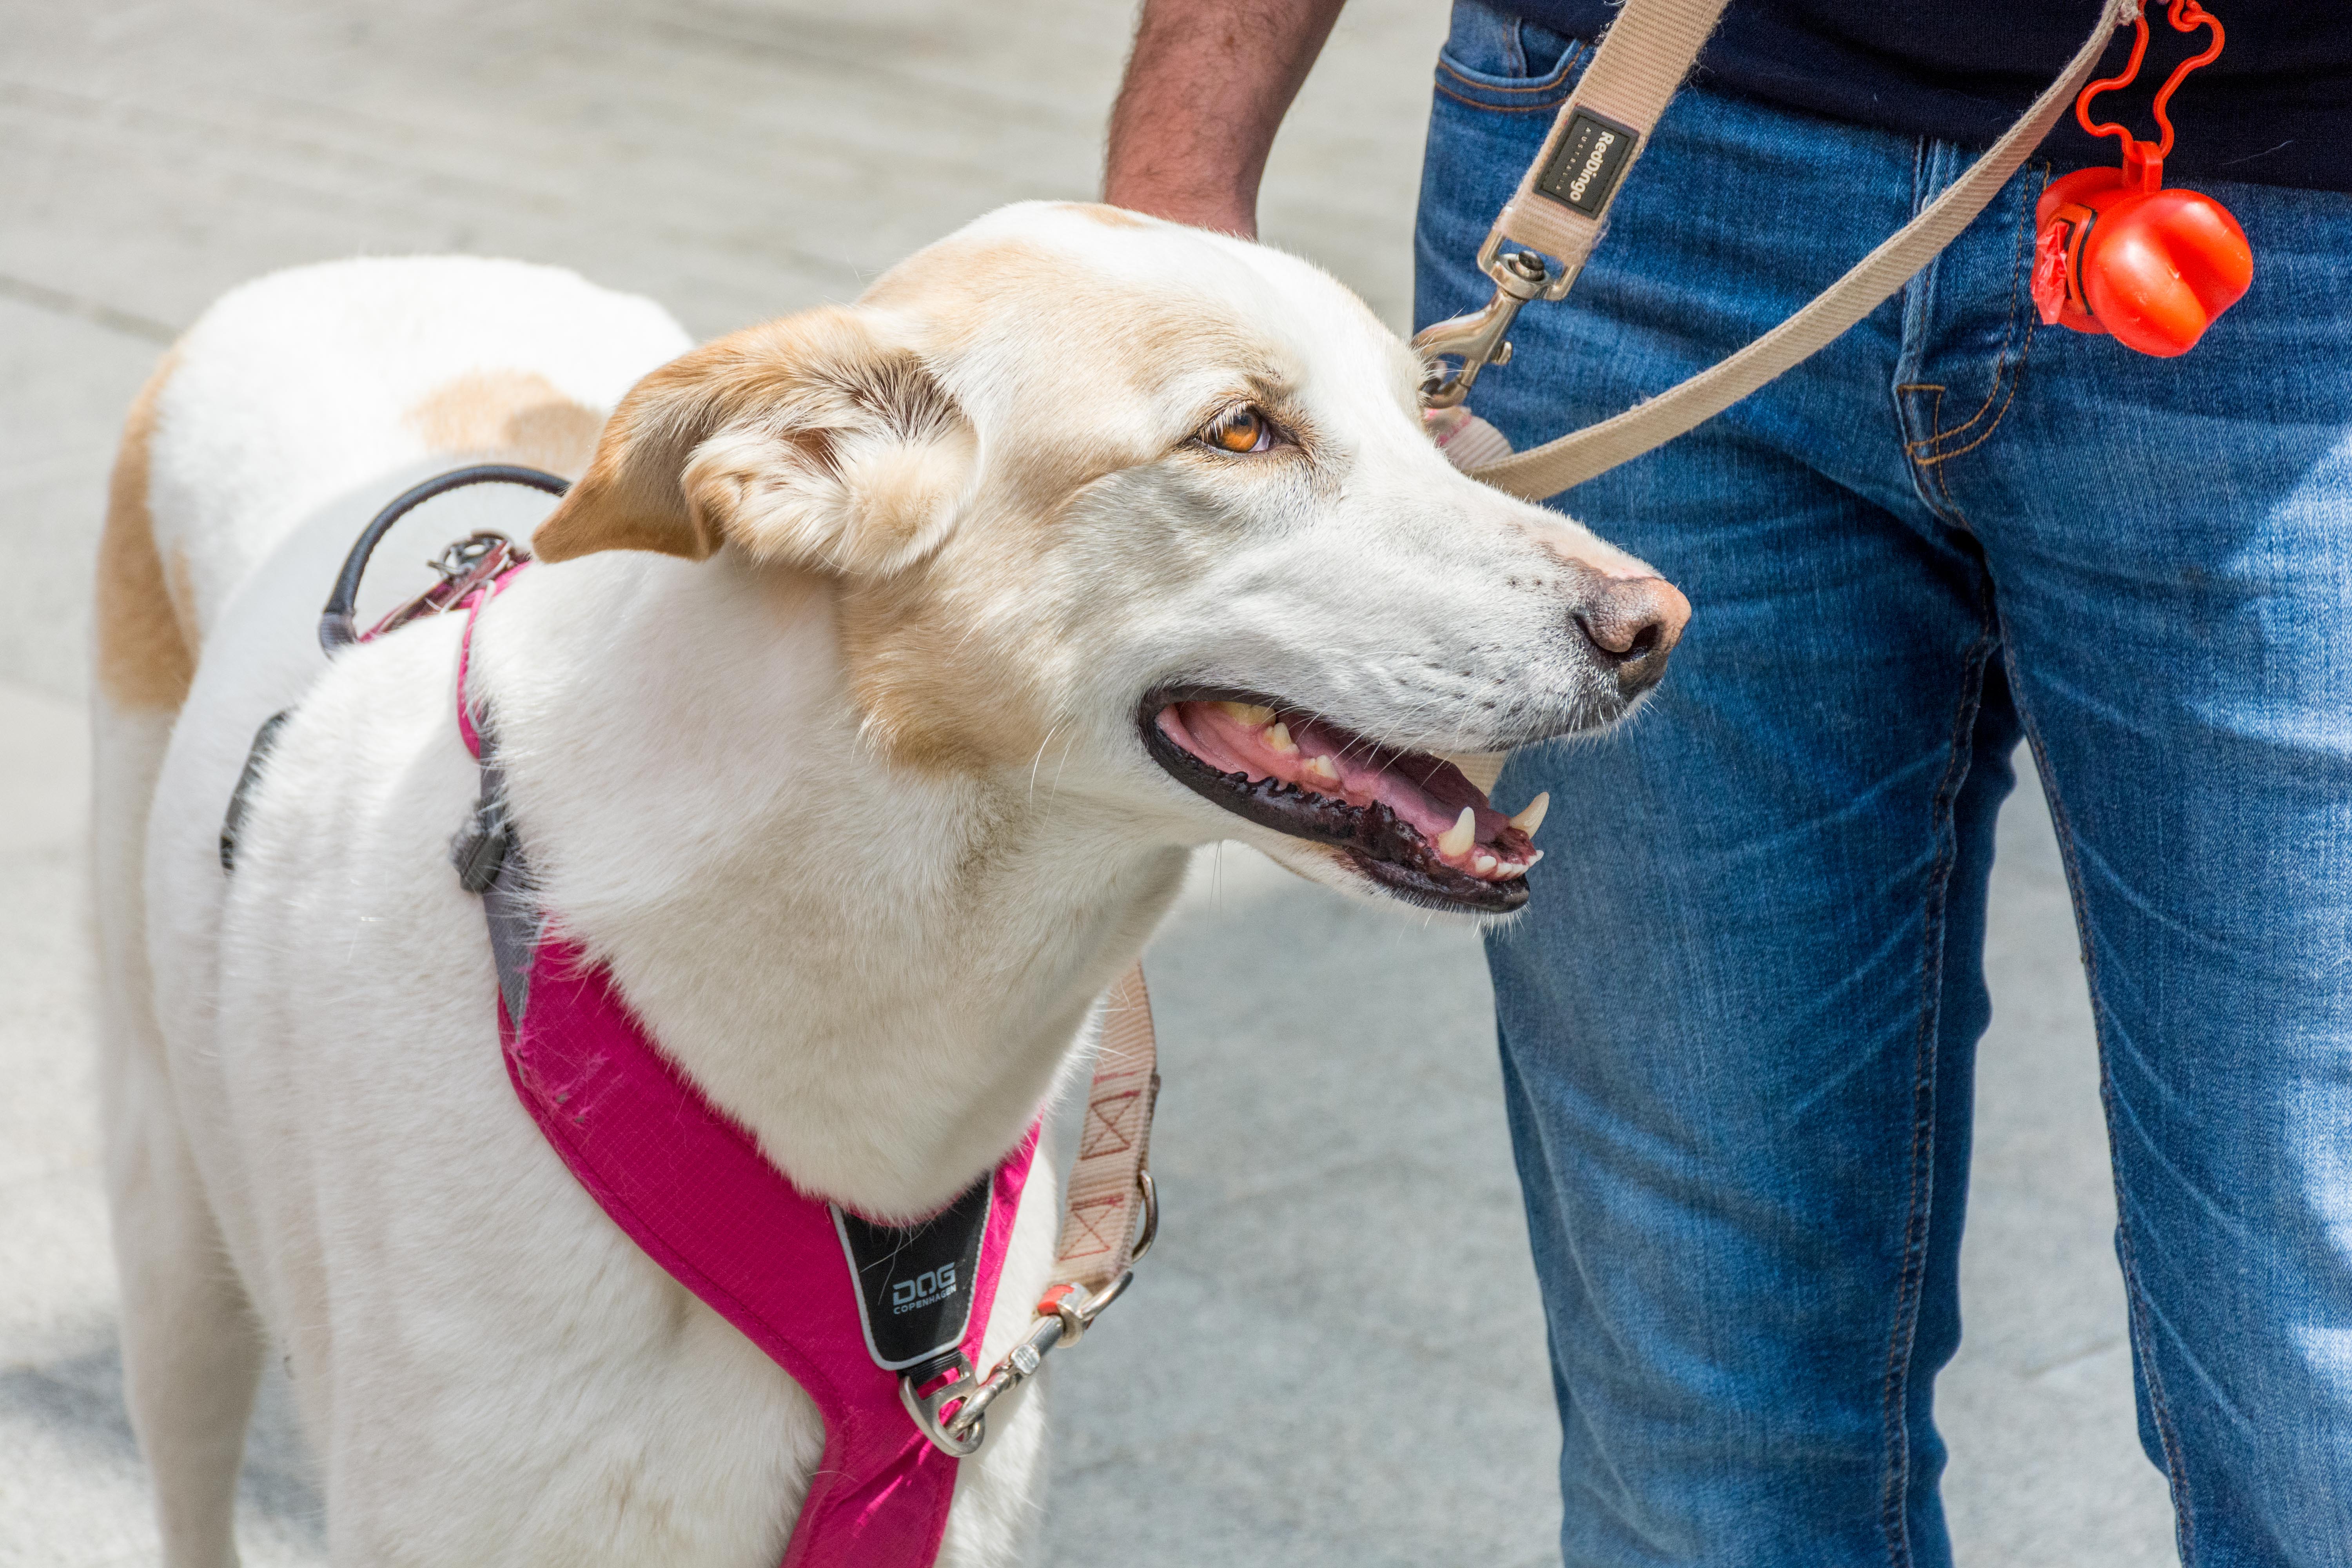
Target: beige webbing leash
1112	1175
1110	1214
1560	208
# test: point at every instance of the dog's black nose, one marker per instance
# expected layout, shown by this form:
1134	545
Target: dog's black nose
1633	624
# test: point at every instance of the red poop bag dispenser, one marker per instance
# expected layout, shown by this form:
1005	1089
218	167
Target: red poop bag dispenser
2116	252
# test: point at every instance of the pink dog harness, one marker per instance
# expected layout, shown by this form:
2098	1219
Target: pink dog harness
881	1325
654	1153
690	1188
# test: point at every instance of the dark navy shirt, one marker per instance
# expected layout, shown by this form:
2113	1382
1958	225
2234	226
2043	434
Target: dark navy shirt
2276	108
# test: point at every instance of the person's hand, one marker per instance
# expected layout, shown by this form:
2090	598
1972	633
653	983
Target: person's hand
1206	88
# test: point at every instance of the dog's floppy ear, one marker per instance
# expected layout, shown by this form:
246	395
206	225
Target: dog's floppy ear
821	440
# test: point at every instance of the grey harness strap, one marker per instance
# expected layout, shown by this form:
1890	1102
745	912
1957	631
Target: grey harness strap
490	862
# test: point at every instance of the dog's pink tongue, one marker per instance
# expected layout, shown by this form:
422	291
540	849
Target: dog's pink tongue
1426	792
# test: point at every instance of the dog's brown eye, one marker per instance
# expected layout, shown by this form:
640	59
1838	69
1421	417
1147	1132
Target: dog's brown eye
1242	430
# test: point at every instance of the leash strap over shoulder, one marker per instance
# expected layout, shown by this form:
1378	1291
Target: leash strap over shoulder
1641	62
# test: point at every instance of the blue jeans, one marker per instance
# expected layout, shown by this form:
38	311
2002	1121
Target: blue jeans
1738	1025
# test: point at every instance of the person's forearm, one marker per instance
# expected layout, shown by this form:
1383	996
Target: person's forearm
1206	87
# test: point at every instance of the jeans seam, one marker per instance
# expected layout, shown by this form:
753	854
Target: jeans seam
2135	1297
1445	92
2176	1469
1924	454
1551	81
1893	1507
1933	472
2018	256
1918	312
1555	85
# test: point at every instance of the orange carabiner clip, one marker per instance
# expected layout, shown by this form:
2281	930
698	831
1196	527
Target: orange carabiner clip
2116	253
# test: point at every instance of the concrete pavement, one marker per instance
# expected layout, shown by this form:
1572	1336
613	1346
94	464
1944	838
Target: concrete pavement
1332	1093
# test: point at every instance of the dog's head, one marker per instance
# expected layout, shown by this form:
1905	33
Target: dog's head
1147	516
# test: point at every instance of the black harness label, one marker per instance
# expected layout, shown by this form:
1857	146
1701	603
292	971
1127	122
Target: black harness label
915	1281
1585	166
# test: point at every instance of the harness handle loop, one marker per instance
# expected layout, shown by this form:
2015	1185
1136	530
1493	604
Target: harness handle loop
337	627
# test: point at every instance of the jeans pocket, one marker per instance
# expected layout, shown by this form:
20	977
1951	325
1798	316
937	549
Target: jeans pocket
1497	61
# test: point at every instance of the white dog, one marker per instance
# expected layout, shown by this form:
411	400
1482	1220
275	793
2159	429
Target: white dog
896	657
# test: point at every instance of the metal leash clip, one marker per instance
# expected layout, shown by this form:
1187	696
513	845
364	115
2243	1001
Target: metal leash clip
1482	337
940	1395
464	566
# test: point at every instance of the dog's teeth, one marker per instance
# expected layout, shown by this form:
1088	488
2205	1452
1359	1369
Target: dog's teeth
1531	862
1249	713
1278	735
1530	819
1484	865
1457	839
1321	768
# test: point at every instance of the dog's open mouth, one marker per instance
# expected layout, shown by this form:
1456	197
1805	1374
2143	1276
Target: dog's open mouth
1408	820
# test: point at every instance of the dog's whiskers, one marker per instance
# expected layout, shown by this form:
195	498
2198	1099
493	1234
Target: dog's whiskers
1039	759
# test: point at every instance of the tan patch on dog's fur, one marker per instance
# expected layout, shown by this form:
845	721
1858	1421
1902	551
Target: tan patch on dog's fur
811	442
961	288
1155	333
1107	216
516	415
145	654
935	698
180	582
935	695
823	442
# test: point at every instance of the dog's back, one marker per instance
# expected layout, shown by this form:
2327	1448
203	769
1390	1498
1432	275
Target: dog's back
300	388
297	405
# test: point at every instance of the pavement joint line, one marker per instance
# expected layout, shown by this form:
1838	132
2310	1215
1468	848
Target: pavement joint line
60	464
95	311
1049	112
2104	1343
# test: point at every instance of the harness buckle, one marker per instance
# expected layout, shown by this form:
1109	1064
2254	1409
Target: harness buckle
480	850
1482	337
936	1394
